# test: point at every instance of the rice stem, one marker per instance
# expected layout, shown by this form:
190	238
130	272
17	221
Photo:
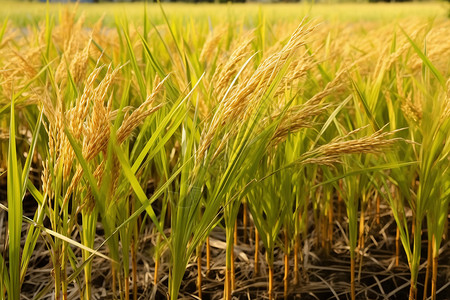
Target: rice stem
208	256
270	291
199	271
352	274
286	262
245	220
427	273
435	252
256	252
296	261
397	247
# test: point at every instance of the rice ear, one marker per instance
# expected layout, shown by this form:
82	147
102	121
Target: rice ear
240	103
295	119
133	120
223	77
375	143
79	64
211	44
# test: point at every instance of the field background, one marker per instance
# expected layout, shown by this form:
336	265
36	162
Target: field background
28	12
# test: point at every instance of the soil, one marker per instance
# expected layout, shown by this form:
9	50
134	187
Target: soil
322	275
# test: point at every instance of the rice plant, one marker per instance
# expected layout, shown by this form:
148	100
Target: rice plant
132	144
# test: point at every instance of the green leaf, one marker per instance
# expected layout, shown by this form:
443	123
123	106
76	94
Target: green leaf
425	60
14	197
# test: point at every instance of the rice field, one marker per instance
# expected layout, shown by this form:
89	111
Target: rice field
224	152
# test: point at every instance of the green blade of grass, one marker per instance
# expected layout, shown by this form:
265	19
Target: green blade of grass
366	170
3	29
15	210
365	103
176	114
425	60
134	63
129	174
27	166
330	119
57	235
